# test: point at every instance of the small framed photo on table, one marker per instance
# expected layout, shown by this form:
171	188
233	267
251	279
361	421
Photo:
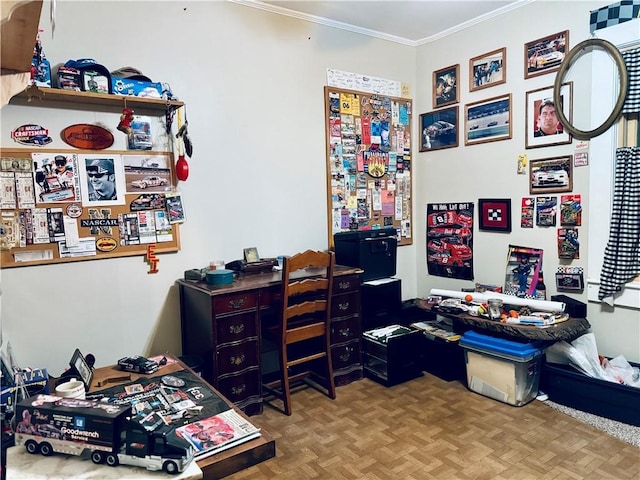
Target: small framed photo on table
488	69
542	125
445	86
251	254
495	214
439	129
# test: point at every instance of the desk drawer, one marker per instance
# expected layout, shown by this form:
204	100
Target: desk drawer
234	328
240	387
345	305
343	356
235	358
345	330
346	283
235	302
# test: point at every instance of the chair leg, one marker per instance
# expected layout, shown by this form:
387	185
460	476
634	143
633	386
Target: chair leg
284	383
331	384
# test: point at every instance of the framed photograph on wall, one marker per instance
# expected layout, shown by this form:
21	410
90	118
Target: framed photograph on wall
488	120
551	175
445	86
542	125
439	129
488	70
545	54
495	214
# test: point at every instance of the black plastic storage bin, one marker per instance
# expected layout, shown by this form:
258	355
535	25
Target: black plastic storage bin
567	386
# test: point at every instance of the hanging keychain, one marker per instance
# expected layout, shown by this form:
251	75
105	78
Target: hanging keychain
182	167
183	132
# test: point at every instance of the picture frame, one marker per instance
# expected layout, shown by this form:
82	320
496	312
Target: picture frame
251	254
445	86
551	175
488	69
439	129
547	130
573	282
494	214
488	120
544	55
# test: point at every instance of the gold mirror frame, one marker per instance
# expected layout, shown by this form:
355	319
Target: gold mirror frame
573	54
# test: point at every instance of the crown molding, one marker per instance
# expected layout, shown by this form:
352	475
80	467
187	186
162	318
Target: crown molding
373	33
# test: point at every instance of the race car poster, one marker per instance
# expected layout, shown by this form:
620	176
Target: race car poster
450	240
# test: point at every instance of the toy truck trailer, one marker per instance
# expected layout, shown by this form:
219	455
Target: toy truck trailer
47	424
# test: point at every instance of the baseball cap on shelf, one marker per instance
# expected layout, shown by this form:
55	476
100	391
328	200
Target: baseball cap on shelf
130	73
102	165
88	64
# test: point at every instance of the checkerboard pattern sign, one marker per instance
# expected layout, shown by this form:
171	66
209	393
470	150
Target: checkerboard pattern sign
613	14
494	215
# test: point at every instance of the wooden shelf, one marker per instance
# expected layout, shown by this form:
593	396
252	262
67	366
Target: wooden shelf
58	98
18	34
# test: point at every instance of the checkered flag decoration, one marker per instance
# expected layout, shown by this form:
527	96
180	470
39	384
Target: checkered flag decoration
613	14
494	214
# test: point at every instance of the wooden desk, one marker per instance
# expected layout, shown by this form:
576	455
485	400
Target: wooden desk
216	466
222	325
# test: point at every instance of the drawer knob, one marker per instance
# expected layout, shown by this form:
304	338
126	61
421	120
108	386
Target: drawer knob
237	359
236	303
236	328
239	389
344	332
346	355
343	306
344	285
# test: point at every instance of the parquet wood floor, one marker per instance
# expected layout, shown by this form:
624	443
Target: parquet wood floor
431	429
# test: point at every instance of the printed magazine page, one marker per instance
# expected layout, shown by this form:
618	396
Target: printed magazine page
217	433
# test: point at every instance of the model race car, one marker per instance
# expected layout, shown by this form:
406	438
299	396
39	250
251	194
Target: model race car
138	364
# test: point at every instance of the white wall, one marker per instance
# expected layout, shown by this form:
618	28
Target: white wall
253	83
489	170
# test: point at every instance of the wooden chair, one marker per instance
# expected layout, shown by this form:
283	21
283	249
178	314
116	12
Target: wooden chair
302	336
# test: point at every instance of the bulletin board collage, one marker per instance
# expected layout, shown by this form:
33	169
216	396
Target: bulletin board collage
61	206
368	162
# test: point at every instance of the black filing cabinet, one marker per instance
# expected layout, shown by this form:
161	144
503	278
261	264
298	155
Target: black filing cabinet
374	251
381	302
395	359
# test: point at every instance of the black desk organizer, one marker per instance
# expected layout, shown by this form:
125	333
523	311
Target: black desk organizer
395	360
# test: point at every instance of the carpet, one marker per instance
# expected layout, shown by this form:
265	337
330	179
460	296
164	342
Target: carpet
623	431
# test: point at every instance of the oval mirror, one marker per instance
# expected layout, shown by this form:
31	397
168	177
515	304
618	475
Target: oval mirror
600	81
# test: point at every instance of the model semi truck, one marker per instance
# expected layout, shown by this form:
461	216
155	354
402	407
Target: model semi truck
110	433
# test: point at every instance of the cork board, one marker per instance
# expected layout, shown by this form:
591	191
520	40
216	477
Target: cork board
61	206
368	151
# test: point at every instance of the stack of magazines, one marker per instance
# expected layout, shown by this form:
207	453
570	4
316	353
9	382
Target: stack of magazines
217	433
433	329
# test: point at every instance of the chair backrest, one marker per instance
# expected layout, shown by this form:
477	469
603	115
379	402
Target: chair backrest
307	281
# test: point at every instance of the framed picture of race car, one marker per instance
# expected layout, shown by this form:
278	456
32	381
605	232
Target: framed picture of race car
439	129
551	175
545	55
487	120
495	214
